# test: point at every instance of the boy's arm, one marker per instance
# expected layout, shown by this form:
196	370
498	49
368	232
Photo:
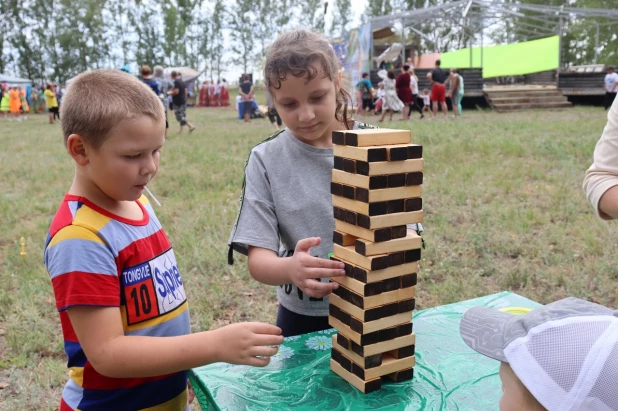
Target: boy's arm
112	354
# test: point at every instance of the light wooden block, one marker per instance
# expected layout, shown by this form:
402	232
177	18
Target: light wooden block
391	167
353	205
361	339
411	242
378	348
373	326
367	154
375	262
360	232
377	137
386	194
356	180
363	275
343	238
376	300
389	220
363	386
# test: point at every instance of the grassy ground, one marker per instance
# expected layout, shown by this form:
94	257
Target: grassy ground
503	205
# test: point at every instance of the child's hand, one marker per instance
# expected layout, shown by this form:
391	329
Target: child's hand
306	269
248	343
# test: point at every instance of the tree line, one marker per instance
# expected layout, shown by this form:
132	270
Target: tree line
57	39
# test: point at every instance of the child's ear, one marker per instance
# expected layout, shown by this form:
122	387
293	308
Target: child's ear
76	147
338	81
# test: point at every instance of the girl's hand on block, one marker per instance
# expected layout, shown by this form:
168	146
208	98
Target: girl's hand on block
307	270
248	343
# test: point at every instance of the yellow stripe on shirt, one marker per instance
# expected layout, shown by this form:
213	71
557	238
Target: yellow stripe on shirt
155	321
72	232
175	404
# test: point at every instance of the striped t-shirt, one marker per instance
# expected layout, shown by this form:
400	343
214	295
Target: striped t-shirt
96	258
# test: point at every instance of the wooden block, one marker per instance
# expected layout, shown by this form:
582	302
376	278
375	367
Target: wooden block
391	284
364	276
372	301
408	280
395	259
336	189
395	206
375	262
349	166
363	386
414	179
389	365
407	305
403	352
339	137
403	375
388	220
415	151
368	154
371	209
358	180
396	180
343	239
387	194
413	204
380	347
363	289
398	153
388	315
371	338
377	137
348	192
348	268
411	241
376	236
370	361
412	255
339	314
387	167
345	362
399	231
338	163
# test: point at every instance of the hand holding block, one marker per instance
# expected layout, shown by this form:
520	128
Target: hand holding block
371	137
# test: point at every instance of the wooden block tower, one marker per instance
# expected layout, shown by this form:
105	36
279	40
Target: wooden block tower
376	191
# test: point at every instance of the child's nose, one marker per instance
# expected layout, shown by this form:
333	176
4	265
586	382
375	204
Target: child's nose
306	114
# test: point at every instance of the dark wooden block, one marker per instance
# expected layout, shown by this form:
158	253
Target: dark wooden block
414	179
337	238
360	274
339	138
345	362
362	167
388	334
391	284
414	204
336	189
395	258
360	248
376	154
358	371
383	234
395	206
403	352
378	182
412	255
379	208
350	217
409	280
356	325
403	375
349	166
374	361
351	139
343	341
349	192
373	385
339	314
415	152
396	180
374	314
404	329
362	194
371	338
406	305
399	231
338	163
339	213
373	289
398	153
363	221
379	263
348	268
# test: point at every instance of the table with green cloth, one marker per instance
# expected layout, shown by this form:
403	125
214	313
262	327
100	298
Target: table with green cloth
448	374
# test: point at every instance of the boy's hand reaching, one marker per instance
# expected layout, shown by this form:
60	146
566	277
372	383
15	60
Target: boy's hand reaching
307	270
247	343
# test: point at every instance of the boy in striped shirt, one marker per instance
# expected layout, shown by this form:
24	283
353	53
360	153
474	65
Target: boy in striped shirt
118	288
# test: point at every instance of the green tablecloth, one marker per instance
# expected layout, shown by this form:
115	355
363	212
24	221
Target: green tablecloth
448	375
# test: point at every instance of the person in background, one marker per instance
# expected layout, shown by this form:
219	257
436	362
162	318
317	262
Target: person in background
438	90
414	87
273	115
426	102
365	94
402	84
179	101
42	98
246	93
218	93
34	98
225	94
25	107
164	86
5	106
453	92
391	101
149	80
15	103
611	83
52	103
380	98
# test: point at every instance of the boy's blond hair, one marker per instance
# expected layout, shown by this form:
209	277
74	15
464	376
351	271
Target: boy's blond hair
99	100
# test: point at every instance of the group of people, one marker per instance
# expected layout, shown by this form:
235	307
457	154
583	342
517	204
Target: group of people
401	93
118	287
17	101
214	94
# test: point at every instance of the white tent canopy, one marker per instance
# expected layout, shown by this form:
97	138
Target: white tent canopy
14	81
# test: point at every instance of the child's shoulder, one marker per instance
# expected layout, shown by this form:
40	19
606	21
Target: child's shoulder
271	143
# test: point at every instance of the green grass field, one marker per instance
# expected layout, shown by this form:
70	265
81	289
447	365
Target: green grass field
504	210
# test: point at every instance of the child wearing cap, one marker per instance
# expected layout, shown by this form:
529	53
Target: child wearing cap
558	357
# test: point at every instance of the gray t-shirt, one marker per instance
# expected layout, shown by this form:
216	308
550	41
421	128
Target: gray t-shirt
286	199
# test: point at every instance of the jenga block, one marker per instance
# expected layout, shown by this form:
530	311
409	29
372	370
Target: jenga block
375	236
363	386
406	272
414	179
396	180
389	365
370	361
386	194
349	166
380	347
373	338
395	206
411	241
388	167
402	352
359	180
338	137
372	301
403	375
388	220
370	209
364	289
368	154
413	204
376	137
376	262
412	255
345	362
369	320
345	215
343	239
336	189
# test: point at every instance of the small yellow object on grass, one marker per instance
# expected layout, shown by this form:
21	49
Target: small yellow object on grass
23	247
